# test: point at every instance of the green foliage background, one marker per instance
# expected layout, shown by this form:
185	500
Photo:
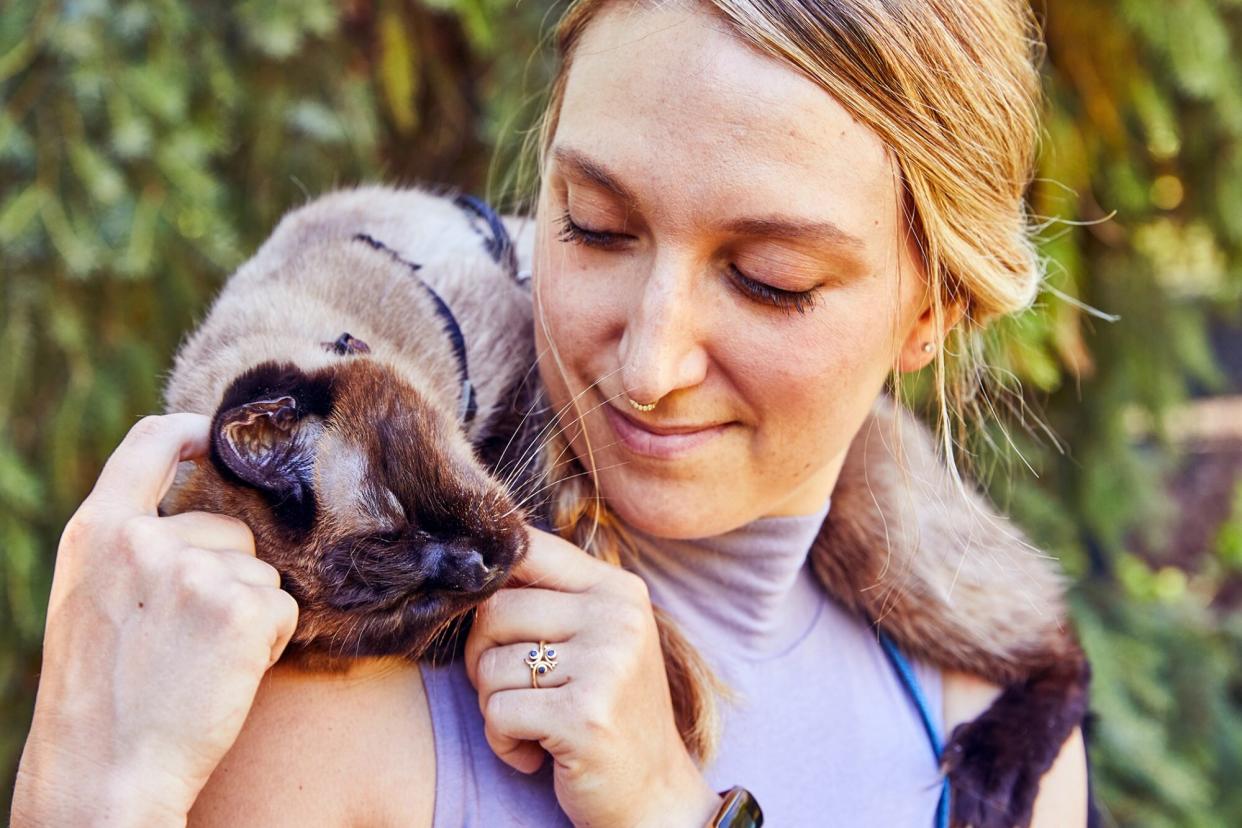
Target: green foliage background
147	147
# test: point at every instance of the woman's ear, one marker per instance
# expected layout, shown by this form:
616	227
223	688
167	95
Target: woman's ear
913	356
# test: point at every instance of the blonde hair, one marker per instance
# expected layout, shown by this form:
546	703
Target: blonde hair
952	89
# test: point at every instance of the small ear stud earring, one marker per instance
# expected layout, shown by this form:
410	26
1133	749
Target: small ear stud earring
928	347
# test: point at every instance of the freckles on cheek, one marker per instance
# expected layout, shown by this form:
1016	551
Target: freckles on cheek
575	313
803	368
576	308
845	345
805	396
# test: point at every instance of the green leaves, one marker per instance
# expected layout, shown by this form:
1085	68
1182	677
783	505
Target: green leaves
397	68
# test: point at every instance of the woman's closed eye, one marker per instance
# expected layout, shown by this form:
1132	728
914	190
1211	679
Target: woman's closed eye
787	300
576	234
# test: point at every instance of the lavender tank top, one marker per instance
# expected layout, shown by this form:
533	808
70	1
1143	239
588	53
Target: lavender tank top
821	728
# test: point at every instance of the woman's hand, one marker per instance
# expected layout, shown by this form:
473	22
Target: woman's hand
604	713
158	632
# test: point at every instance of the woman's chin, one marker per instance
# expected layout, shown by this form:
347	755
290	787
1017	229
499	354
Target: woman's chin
676	510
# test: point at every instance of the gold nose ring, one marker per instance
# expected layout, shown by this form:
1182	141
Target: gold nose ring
641	406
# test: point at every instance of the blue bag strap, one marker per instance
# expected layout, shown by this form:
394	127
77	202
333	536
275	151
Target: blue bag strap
911	683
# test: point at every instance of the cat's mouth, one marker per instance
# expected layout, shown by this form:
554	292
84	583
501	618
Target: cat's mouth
425	606
407	626
427	601
377	577
425	611
379	601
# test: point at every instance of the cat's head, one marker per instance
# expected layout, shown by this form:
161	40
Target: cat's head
363	492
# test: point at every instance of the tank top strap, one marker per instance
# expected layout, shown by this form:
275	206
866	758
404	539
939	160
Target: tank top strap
450	726
474	788
911	683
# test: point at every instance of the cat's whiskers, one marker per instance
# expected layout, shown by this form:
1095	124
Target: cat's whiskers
525	416
568	477
559	429
538	439
541	439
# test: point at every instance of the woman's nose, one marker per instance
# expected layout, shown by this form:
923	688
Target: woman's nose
662	348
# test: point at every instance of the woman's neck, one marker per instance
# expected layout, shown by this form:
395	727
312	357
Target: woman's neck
745	593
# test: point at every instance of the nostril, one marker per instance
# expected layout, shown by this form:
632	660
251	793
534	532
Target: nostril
459	568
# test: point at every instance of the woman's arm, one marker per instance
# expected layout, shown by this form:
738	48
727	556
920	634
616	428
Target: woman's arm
1062	800
342	749
158	632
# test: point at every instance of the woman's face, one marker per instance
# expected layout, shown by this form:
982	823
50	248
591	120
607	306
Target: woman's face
715	233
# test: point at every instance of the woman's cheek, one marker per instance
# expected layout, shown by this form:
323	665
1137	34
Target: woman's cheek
585	308
810	385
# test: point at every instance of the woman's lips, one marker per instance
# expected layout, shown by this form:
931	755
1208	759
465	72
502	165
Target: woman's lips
657	441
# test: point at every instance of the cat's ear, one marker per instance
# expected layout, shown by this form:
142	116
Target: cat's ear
269	444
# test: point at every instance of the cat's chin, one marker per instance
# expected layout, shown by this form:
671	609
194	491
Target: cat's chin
408	630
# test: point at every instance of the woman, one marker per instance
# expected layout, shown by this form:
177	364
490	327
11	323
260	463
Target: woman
750	214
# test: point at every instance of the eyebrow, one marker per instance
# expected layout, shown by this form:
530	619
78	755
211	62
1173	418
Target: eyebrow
772	226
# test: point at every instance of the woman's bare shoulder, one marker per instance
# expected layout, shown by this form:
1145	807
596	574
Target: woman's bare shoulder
1062	799
965	697
349	749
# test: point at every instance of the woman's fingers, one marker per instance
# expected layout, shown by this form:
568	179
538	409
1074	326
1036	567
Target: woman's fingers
139	472
506	668
210	531
225	539
605	710
521	755
554	563
246	568
517	721
503	670
159	629
522	616
506	631
226	589
526	713
284	611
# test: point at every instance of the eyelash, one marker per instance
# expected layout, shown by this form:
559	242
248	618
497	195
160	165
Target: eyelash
786	300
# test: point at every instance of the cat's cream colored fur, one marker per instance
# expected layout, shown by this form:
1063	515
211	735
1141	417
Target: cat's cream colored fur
264	312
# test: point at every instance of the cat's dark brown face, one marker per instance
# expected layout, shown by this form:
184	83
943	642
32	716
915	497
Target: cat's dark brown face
366	497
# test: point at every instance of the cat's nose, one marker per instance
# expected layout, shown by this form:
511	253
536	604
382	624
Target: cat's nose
456	566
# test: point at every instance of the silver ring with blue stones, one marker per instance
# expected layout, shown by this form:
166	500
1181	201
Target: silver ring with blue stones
541	661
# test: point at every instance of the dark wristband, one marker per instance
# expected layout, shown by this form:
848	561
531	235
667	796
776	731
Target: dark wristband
739	810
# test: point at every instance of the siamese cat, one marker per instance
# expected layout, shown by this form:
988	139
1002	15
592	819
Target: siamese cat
370	375
356	428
